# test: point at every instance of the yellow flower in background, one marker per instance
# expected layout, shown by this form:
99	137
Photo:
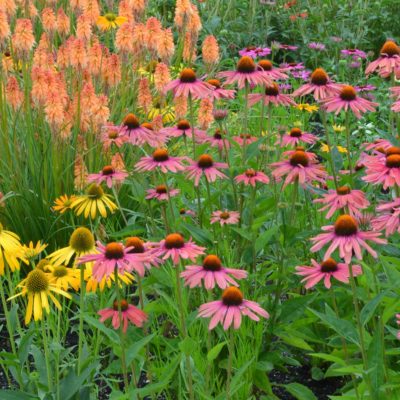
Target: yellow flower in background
92	284
11	251
148	70
338	128
94	201
31	250
297	123
64	277
307	107
110	21
38	288
167	113
63	203
325	148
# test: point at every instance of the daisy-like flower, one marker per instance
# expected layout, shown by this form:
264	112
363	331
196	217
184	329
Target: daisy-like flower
38	289
254	52
129	313
326	149
161	192
113	256
326	270
207	167
93	202
388	60
186	213
272	95
211	272
343	198
219	92
160	159
11	251
347	99
93	284
299	166
217	140
147	249
379	145
389	218
320	86
138	134
230	308
225	217
110	21
245	139
246	73
251	177
113	135
188	84
175	247
64	277
81	242
182	128
63	203
347	237
109	175
270	71
307	107
31	250
296	137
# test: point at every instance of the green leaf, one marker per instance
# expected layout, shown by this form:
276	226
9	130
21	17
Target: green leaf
261	380
133	350
187	345
214	352
200	235
368	310
111	334
375	363
265	237
329	357
299	391
16	395
294	341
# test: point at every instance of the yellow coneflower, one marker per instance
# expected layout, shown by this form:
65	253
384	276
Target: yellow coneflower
31	250
64	277
63	203
92	202
338	128
307	107
325	148
110	21
167	112
38	289
81	242
92	284
10	250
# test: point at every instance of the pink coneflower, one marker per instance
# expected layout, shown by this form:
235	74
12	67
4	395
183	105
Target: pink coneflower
225	217
273	96
112	135
387	62
186	213
299	166
145	249
398	323
355	53
254	52
160	159
111	256
230	309
246	73
216	140
251	177
272	72
395	92
211	272
129	313
188	84
316	46
396	106
245	139
380	145
320	86
346	236
175	247
109	175
327	269
343	197
161	192
389	220
137	134
296	136
207	167
347	99
182	128
287	47
219	92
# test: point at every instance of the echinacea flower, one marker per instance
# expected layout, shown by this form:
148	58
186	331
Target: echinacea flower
225	217
218	139
244	139
109	175
326	270
161	192
316	46
296	137
218	92
64	277
343	198
38	289
230	309
347	99
148	250
251	177
211	272
347	237
389	218
110	21
320	86
254	52
175	247
388	60
129	313
188	84
113	135
63	203
246	73
160	159
31	250
271	95
272	72
113	256
11	251
93	284
182	128
138	134
354	53
94	201
205	166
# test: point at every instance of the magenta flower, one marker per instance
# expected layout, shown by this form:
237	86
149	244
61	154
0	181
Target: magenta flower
316	46
175	247
129	313
326	270
388	61
380	145
296	137
160	159
346	236
396	106
219	92
161	192
225	217
287	47
182	128
146	249
355	53
245	139
111	256
138	135
216	140
230	309
211	272
270	71
188	84
343	197
246	73
250	177
389	220
273	96
299	166
207	167
255	52
383	169
109	175
112	134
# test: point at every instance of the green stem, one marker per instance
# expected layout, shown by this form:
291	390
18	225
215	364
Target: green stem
229	371
81	313
47	356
